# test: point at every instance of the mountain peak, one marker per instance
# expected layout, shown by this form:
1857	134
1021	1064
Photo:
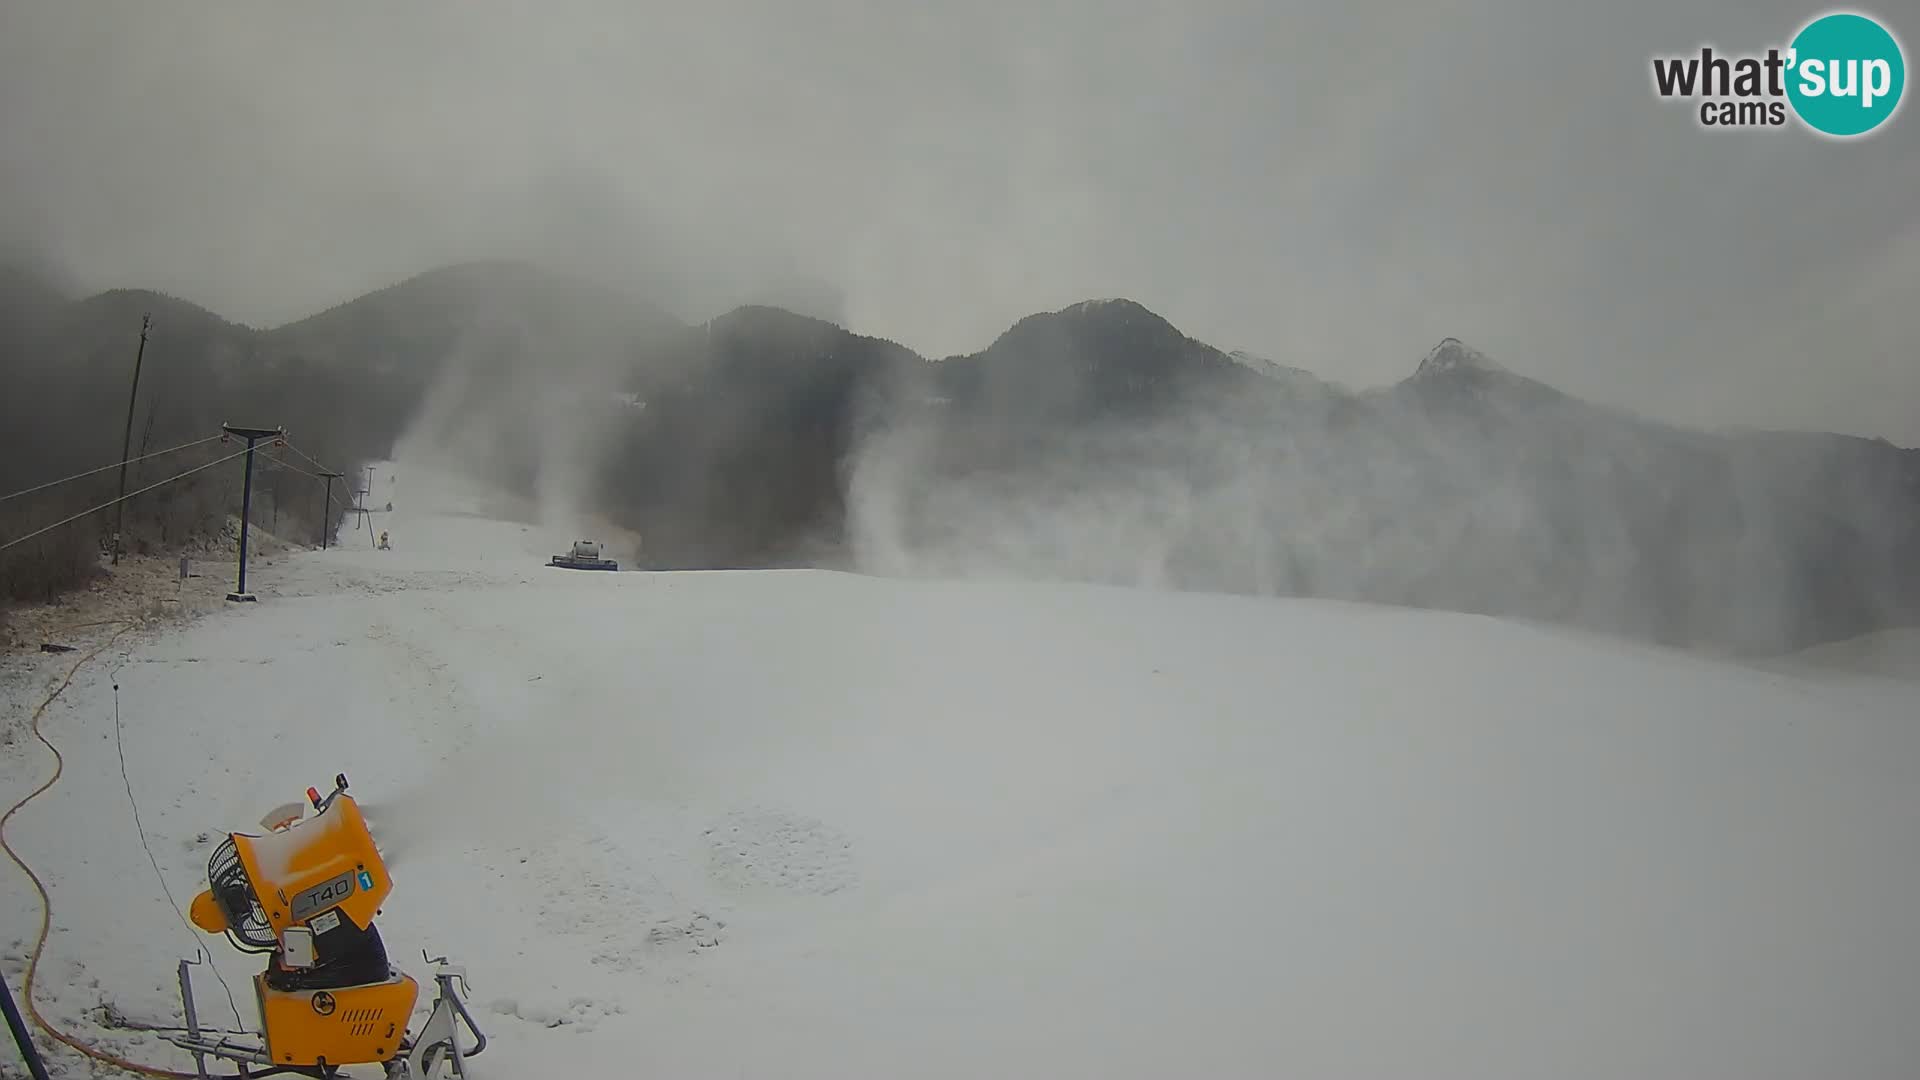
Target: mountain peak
1451	355
1112	305
124	304
1077	325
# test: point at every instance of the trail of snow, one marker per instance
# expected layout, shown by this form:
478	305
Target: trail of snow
815	824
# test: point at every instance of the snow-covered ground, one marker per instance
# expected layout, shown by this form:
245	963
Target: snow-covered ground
805	824
1887	654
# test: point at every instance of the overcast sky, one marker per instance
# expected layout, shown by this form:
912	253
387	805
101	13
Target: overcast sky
1336	186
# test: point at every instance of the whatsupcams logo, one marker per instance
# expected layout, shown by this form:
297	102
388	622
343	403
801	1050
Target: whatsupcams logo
1841	75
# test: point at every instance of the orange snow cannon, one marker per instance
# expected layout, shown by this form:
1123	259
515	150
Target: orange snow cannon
305	893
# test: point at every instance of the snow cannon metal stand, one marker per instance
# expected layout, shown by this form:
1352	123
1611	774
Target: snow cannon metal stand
305	893
584	556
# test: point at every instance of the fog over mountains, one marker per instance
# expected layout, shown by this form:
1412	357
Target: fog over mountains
1096	442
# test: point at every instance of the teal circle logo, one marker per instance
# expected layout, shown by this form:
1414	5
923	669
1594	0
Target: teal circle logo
1846	74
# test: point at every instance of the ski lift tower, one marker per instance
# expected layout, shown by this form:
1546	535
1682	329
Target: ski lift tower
252	435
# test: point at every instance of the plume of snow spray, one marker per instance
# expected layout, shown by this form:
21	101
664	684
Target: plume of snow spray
529	398
1521	502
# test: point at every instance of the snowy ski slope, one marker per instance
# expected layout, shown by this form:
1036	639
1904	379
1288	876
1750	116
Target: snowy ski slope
798	824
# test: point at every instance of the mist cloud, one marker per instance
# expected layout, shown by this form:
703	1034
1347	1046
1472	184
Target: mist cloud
1476	492
1338	188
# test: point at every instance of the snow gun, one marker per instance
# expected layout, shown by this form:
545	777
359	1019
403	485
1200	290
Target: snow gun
305	893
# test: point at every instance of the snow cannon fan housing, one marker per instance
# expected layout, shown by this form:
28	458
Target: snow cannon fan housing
313	873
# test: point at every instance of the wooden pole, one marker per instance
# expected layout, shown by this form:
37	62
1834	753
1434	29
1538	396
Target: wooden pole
126	441
326	509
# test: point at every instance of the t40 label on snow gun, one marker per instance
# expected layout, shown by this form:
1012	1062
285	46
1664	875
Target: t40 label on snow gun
322	896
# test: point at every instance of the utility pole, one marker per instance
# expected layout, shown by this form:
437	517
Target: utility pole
252	435
126	441
326	508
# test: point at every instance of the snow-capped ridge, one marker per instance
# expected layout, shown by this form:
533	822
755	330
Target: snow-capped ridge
1086	307
1451	355
1274	369
1261	364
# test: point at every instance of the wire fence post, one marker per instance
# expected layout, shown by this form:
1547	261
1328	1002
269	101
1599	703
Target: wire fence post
28	1052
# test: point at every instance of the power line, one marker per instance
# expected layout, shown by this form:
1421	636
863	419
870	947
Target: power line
282	463
309	458
123	498
279	463
274	464
326	475
104	468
